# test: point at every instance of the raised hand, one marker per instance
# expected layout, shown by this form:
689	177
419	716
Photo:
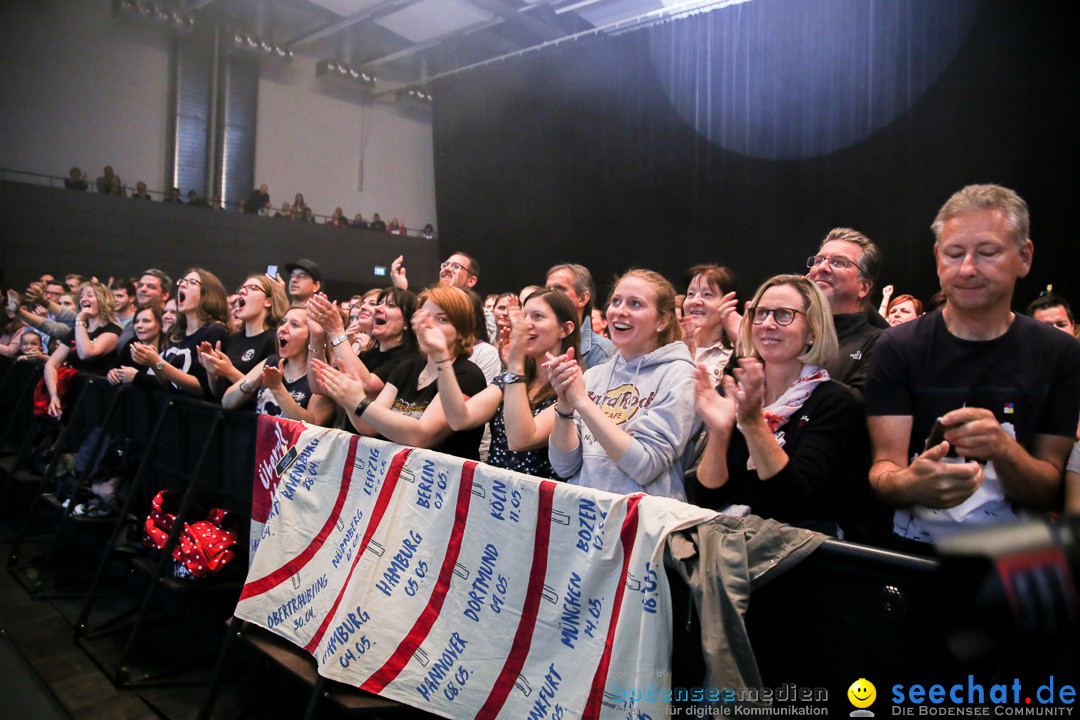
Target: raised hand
429	337
716	410
272	376
750	392
516	339
730	317
567	378
215	361
323	313
144	354
397	273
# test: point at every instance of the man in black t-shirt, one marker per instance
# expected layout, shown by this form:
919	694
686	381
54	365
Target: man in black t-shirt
258	200
1006	388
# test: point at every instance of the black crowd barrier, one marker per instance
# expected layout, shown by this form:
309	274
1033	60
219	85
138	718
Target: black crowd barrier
847	612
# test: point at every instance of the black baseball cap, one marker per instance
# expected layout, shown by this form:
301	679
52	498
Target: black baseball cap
307	266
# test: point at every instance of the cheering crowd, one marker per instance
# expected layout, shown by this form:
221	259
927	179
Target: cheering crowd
886	425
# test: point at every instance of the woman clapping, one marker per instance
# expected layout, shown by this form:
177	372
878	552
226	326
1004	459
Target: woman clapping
547	326
784	439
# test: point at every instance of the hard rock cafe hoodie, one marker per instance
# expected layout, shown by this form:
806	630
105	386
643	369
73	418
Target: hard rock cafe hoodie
652	399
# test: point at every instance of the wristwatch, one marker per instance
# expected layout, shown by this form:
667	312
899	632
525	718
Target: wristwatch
335	341
159	364
508	378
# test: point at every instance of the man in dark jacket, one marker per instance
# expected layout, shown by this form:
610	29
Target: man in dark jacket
845	268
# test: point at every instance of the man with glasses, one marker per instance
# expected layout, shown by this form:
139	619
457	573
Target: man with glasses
972	408
845	269
459	270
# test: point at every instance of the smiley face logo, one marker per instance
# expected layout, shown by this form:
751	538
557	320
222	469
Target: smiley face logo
862	693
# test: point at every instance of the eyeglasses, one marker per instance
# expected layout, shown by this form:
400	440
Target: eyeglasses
251	287
782	316
836	263
151	285
186	282
454	267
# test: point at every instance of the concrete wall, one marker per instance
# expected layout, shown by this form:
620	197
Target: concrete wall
312	136
80	88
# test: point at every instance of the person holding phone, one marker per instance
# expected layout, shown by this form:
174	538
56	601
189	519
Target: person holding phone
1005	386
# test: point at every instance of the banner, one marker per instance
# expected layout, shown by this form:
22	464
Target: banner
459	588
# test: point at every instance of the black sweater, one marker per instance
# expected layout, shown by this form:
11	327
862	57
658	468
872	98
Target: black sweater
824	483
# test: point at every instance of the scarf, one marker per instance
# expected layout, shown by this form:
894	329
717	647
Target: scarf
790	401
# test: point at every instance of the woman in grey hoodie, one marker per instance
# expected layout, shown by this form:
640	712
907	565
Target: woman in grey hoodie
624	426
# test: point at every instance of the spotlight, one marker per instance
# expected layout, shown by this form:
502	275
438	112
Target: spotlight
150	14
329	66
254	45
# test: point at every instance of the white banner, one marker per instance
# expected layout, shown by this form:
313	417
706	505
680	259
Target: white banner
459	588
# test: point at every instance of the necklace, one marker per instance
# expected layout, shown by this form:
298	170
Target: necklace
427	376
294	378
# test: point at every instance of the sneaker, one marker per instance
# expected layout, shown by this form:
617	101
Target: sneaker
97	510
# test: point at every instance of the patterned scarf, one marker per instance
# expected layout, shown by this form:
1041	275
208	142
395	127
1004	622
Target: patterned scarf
779	412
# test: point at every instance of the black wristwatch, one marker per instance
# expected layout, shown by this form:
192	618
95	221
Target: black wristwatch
508	378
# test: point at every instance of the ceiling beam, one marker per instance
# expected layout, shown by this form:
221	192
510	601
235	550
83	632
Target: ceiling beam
420	47
540	28
376	11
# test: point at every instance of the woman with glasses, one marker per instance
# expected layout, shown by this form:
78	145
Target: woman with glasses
784	439
409	410
624	425
202	316
261	305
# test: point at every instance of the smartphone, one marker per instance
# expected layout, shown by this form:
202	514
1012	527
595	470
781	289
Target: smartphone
271	270
937	436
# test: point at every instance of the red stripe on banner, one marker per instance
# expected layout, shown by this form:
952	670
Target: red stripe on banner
283	573
413	639
385	493
627	537
519	650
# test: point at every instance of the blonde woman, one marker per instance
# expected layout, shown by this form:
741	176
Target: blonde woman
92	348
624	425
784	439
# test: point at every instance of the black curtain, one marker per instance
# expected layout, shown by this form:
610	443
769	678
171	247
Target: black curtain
742	135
